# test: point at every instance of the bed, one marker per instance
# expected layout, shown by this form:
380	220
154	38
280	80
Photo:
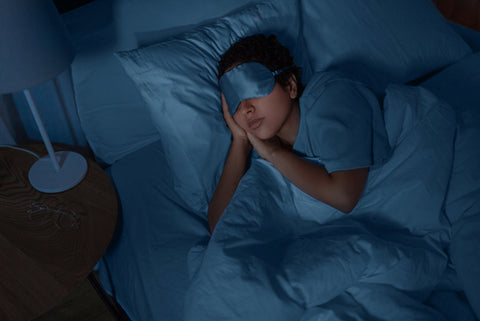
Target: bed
146	94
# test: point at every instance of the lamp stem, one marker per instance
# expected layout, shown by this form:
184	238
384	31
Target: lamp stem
41	128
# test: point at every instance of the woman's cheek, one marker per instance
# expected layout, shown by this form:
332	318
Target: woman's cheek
240	122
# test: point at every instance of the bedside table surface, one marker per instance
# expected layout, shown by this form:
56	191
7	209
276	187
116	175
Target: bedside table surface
49	243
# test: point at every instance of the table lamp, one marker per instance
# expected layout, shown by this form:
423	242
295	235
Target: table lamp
35	48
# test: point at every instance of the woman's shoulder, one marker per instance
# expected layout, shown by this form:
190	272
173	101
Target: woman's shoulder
324	79
332	86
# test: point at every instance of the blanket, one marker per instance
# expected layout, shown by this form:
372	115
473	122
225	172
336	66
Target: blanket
278	254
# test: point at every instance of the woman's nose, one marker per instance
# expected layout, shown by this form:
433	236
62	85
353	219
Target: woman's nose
248	108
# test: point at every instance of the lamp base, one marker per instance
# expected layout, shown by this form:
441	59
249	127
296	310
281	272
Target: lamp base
44	178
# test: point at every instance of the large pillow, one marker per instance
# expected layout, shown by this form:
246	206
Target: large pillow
379	41
112	113
459	85
177	79
471	36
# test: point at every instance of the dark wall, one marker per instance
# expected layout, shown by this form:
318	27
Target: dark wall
67	5
465	12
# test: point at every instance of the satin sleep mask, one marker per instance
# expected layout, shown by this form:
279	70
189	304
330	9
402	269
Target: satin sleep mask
248	80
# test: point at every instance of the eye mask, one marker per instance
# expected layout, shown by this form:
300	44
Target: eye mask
248	80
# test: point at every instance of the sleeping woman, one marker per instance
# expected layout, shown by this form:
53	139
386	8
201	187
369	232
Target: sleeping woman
266	108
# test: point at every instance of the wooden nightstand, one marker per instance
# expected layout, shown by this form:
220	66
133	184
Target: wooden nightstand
49	243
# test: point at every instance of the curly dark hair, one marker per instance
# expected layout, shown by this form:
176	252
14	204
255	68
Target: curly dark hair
265	50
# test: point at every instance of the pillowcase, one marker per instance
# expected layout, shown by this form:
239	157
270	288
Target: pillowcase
177	79
112	113
471	36
379	41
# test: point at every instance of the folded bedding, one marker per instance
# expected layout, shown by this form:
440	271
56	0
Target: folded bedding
280	279
459	85
390	304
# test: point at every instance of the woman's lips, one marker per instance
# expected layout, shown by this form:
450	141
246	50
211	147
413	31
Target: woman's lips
255	123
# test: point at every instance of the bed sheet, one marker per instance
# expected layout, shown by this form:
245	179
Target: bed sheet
145	267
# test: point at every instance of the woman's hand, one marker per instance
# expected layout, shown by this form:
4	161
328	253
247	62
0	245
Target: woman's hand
233	170
238	133
265	148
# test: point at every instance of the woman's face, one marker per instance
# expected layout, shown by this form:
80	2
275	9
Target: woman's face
265	117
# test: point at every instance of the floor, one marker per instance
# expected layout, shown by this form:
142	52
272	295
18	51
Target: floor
83	304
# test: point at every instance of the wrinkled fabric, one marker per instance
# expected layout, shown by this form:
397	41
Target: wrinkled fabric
278	254
267	261
459	85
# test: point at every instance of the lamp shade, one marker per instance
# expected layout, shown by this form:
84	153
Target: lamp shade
34	44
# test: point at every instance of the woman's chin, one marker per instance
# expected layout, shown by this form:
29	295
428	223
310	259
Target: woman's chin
262	135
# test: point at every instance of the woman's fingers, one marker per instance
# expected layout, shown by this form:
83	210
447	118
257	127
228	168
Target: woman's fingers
235	129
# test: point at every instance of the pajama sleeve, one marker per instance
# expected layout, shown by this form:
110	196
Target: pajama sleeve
340	125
